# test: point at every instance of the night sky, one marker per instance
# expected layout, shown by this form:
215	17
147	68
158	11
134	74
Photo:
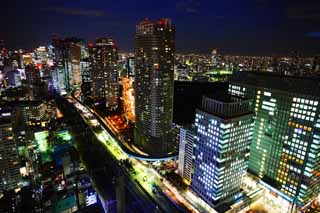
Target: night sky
247	27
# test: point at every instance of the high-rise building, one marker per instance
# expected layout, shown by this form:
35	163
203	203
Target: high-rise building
14	78
73	62
130	67
67	62
58	80
222	139
154	61
103	58
286	137
186	147
214	57
86	77
9	159
32	74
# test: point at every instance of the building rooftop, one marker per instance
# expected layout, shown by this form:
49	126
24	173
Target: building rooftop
227	106
308	85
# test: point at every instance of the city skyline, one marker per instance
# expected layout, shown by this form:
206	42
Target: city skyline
245	28
87	126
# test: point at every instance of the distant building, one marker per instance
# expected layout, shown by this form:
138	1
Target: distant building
58	84
316	64
286	139
154	61
73	62
128	99
214	57
186	147
103	58
67	63
86	78
9	159
34	113
130	67
222	139
14	78
32	74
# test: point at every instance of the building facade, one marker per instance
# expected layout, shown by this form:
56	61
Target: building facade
103	57
9	159
222	139
154	61
67	63
186	147
286	138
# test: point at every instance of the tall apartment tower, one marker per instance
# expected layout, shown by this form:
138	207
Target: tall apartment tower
154	60
103	58
286	139
222	139
9	159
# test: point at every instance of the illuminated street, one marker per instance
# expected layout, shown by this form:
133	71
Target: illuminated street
143	173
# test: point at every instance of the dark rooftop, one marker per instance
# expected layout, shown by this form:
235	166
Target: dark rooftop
307	85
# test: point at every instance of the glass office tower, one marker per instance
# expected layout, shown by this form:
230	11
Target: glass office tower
223	135
286	137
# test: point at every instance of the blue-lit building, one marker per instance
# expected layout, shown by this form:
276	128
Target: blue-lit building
222	139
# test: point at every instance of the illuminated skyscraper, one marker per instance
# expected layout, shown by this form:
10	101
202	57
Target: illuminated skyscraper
154	60
103	57
9	159
73	63
286	137
67	63
222	139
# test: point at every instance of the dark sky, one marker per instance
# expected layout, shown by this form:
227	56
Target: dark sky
261	27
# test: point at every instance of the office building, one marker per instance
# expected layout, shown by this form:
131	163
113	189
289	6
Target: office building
9	159
222	139
67	62
32	74
130	67
34	113
154	61
103	58
58	80
286	138
86	78
73	64
214	57
14	78
186	146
